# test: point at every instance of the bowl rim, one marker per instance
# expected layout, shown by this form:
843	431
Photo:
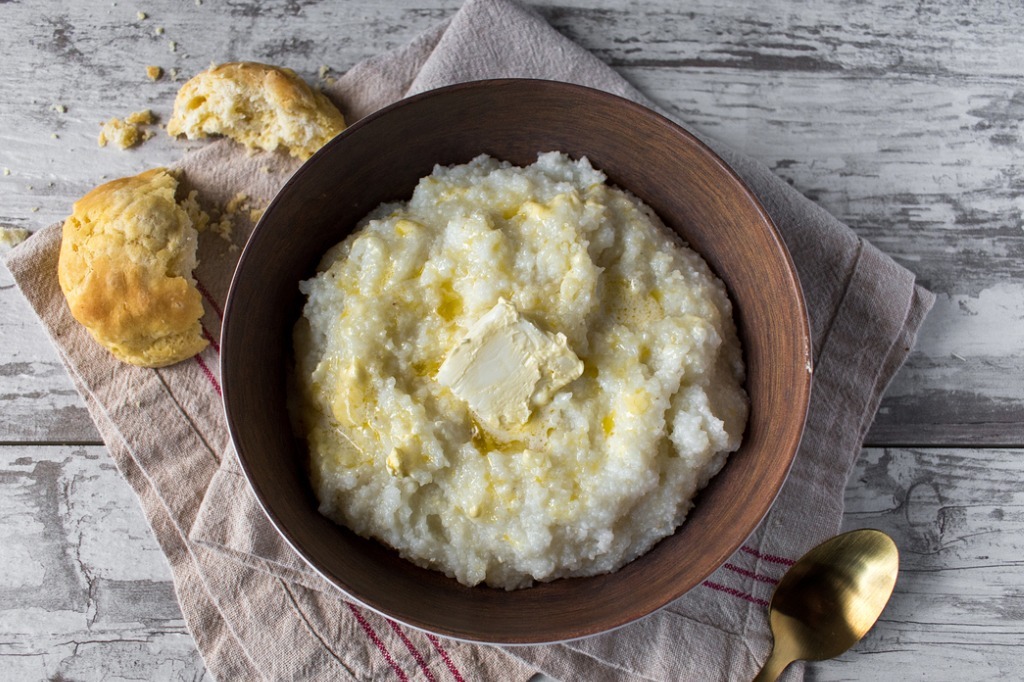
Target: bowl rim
802	399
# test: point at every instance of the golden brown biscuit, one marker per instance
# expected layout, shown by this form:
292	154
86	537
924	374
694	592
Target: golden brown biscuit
126	260
258	105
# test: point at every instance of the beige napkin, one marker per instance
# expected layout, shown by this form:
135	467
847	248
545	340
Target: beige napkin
256	611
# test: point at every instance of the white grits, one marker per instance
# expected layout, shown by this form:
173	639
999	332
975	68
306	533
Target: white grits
601	471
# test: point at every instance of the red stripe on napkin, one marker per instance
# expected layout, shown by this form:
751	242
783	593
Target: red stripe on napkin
770	558
751	574
412	650
208	374
210	299
209	337
734	592
447	659
368	629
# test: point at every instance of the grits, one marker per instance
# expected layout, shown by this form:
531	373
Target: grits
599	452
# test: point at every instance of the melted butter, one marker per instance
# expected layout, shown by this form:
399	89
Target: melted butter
638	402
405	227
542	211
349	399
486	442
426	368
634	309
645	354
451	305
535	210
608	423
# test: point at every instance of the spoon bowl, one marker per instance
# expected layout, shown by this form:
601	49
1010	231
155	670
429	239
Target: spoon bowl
828	600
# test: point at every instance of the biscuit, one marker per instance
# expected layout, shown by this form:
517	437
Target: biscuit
125	267
260	106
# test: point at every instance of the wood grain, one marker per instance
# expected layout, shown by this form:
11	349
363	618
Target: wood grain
902	119
94	590
39	403
85	590
956	516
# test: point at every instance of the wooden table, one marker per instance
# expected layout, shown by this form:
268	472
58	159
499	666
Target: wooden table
902	119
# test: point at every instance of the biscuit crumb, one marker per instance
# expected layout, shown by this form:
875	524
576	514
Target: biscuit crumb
12	236
223	227
236	202
7	171
35	209
127	132
159	30
173	46
142	16
223	222
200	218
327	75
55	136
154	73
174	74
144	117
60	108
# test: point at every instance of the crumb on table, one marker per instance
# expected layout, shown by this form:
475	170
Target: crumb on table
127	132
12	236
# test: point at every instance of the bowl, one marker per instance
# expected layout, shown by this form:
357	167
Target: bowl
380	158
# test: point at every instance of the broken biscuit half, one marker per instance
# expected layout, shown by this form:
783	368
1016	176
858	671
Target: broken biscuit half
125	266
258	105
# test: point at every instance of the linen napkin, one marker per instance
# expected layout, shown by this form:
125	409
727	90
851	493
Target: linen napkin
257	611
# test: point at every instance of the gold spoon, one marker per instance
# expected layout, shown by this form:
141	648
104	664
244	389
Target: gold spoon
830	598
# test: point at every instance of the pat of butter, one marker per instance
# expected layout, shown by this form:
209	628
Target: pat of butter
505	366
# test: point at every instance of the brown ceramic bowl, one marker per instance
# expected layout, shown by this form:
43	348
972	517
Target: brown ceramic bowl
380	158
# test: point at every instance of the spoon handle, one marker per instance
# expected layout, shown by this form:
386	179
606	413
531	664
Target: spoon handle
774	666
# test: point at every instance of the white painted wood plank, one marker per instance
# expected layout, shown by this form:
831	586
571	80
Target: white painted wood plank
85	592
38	403
957	516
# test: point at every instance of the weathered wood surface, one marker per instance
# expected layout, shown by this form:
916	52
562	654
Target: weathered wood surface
85	590
903	119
